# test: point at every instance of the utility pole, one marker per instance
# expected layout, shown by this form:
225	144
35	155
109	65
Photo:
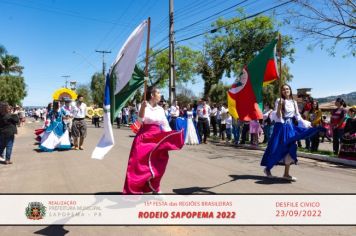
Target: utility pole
172	72
103	52
66	76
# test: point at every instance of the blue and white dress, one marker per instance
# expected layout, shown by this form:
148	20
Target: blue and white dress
191	136
282	147
190	129
56	135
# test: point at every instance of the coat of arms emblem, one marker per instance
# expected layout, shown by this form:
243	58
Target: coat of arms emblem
240	82
35	211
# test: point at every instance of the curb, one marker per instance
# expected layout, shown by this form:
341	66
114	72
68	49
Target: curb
318	157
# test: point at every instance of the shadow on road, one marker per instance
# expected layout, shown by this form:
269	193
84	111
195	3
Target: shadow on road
52	230
260	179
192	190
340	166
207	190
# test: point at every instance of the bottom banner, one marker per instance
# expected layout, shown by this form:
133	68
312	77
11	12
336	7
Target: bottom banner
178	209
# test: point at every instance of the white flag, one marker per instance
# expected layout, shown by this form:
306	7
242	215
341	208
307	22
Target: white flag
123	68
124	64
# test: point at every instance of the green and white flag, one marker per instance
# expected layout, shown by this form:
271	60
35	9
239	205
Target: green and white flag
121	87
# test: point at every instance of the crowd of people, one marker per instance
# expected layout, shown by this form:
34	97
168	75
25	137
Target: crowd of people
283	127
213	120
166	128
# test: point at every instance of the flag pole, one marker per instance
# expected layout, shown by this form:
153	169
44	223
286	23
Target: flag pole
280	60
147	56
112	97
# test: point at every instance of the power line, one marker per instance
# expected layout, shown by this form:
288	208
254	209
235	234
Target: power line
153	54
104	38
112	43
60	12
190	6
234	22
154	46
196	9
103	52
217	28
114	26
186	28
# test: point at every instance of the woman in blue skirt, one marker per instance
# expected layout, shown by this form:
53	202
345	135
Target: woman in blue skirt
282	147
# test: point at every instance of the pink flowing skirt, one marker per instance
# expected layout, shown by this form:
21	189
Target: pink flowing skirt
149	157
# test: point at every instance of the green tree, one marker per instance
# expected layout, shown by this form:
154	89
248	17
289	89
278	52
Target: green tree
12	84
185	95
97	87
234	44
138	96
2	53
186	61
9	63
218	93
84	89
12	89
325	21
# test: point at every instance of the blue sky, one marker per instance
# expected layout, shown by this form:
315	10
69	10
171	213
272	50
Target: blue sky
53	38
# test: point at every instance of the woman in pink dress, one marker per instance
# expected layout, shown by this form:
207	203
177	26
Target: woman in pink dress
149	152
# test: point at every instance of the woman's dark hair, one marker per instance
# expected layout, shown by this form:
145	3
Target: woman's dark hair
341	101
3	108
150	90
317	106
270	106
291	94
49	106
190	107
55	106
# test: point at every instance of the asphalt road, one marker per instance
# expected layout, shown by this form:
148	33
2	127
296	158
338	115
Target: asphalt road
202	169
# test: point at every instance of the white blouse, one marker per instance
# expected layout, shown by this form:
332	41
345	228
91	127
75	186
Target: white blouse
79	111
290	111
200	111
190	114
174	111
156	115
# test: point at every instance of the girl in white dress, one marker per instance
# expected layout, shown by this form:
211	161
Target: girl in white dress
282	147
191	137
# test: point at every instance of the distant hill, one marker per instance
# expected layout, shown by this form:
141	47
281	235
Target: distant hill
349	98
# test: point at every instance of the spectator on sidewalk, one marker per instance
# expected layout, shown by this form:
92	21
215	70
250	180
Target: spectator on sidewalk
8	129
22	117
236	124
228	122
314	117
203	113
213	120
118	119
327	133
267	123
244	132
255	131
337	123
125	116
348	141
